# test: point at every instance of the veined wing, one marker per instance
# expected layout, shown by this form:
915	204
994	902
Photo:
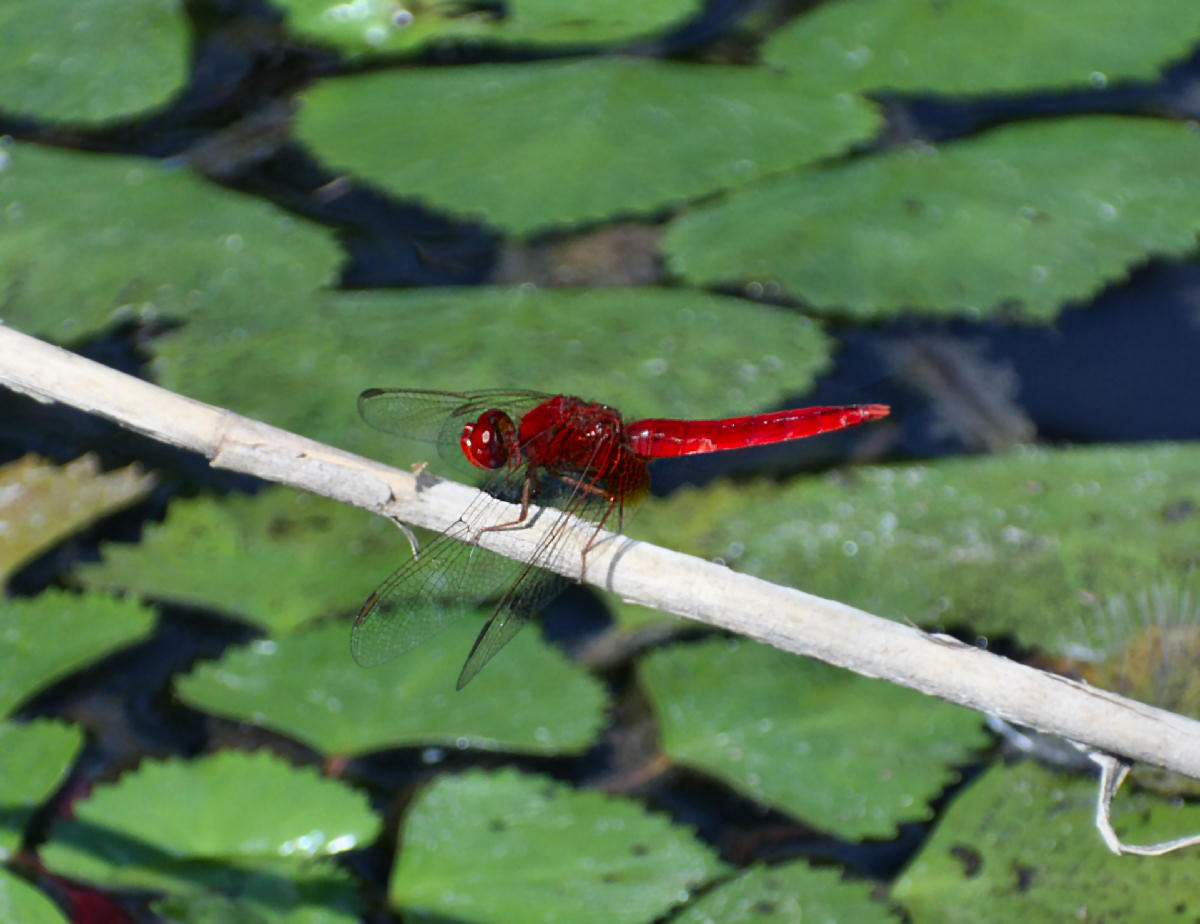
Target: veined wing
438	416
431	591
536	586
452	576
528	594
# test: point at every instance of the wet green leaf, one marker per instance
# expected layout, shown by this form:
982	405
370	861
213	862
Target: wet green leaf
277	559
565	143
1017	221
529	699
950	46
504	846
141	240
851	755
374	26
54	51
21	903
1021	543
33	760
47	637
1019	844
238	825
42	503
261	901
648	352
786	894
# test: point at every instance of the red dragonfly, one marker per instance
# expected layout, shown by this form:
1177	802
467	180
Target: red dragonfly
578	456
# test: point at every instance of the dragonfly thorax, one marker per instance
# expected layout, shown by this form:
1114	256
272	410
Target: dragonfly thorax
580	442
490	440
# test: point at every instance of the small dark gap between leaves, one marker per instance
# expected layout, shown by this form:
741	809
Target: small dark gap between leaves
84	903
125	699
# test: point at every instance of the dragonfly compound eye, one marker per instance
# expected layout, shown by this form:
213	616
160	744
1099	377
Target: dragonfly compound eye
485	442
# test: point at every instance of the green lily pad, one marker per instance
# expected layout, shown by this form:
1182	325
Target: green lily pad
1017	221
648	352
47	637
935	46
1019	844
238	825
1019	543
140	239
529	699
277	559
374	26
263	902
852	755
54	51
504	846
33	761
21	903
569	142
42	503
786	894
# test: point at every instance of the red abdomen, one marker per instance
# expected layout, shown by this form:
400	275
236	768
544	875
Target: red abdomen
661	438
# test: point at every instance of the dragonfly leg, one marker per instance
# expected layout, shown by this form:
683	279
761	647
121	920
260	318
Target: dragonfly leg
613	502
591	487
526	490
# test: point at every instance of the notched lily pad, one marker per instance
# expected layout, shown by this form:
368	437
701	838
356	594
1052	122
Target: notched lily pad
852	755
262	901
277	559
1018	221
1021	543
950	47
1019	844
529	699
141	240
566	143
624	347
233	824
484	847
55	51
33	761
42	503
47	637
786	894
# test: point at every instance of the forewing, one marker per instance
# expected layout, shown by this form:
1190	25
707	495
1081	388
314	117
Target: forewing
536	585
438	416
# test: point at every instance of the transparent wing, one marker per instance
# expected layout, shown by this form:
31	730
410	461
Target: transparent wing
526	597
438	416
452	576
534	587
431	591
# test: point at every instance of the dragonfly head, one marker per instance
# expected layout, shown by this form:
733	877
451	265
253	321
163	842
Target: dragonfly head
488	442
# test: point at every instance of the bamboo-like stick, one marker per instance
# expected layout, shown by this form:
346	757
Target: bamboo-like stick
639	572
